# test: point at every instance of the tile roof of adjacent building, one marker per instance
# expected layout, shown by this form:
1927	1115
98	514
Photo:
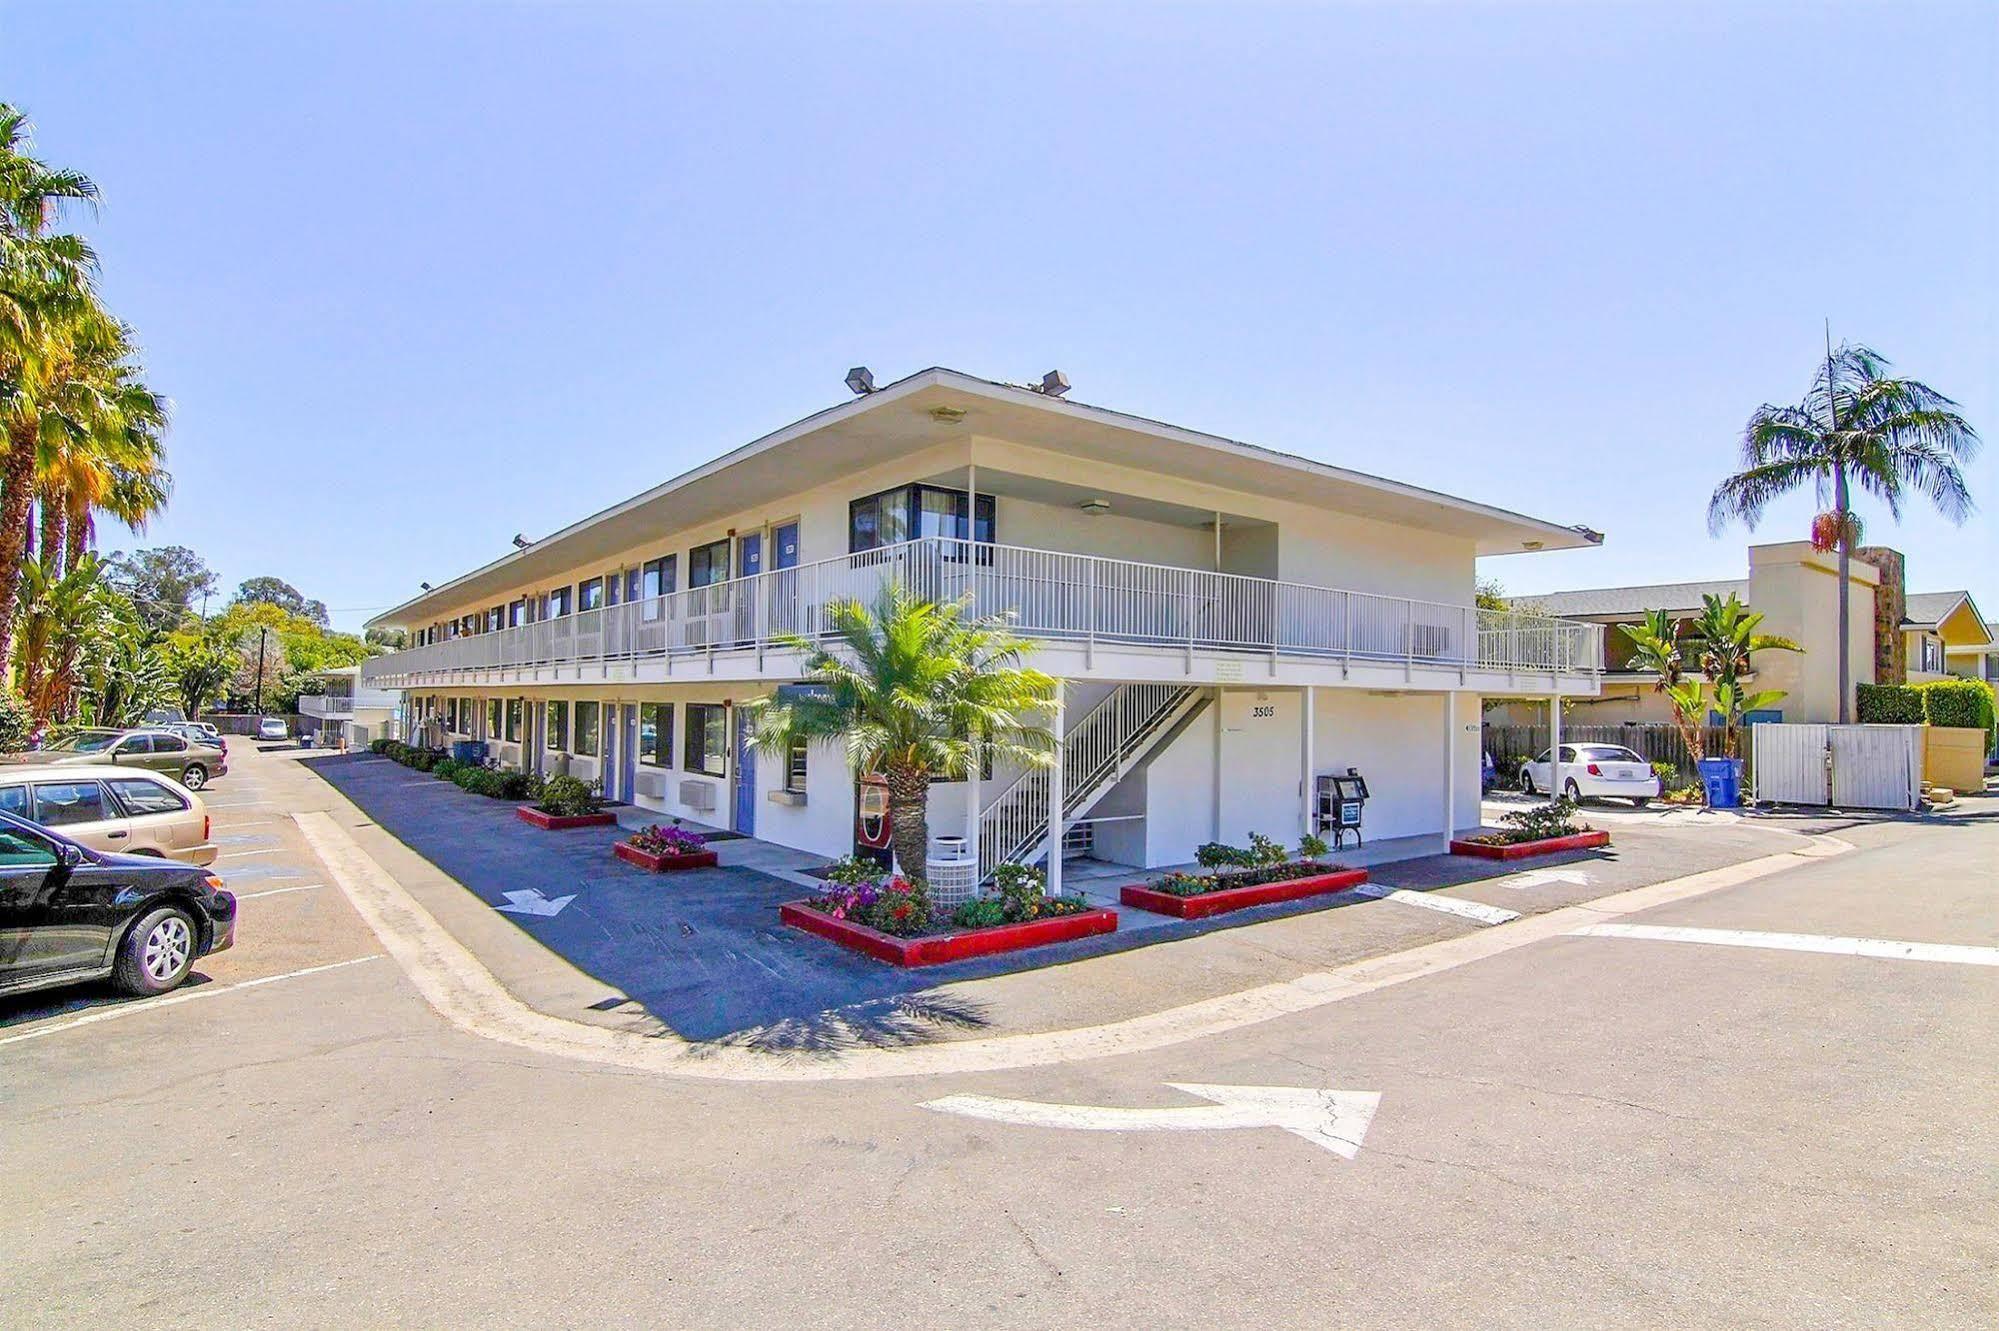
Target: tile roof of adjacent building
1632	600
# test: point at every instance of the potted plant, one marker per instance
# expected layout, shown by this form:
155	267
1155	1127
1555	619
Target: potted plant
1540	830
1240	877
892	919
665	849
566	801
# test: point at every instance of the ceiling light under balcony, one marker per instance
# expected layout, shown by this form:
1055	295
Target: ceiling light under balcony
1096	508
947	415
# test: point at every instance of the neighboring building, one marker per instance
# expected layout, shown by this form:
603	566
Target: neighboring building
348	710
1794	586
1225	620
1945	636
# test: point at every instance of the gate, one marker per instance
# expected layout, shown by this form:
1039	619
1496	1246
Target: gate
1851	767
1790	763
1877	767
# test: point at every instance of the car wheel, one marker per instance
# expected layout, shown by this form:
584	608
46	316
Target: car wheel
1640	801
1573	791
158	952
194	776
1526	782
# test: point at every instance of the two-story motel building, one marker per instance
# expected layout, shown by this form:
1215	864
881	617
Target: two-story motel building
1229	622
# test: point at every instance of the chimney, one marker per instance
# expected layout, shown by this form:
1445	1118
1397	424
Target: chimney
1891	605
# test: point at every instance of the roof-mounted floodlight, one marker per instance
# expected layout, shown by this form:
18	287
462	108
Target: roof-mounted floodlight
424	585
521	542
862	380
1054	383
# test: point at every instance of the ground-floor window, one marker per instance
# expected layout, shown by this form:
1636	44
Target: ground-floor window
466	713
707	738
558	726
794	767
492	717
451	715
586	729
513	720
656	734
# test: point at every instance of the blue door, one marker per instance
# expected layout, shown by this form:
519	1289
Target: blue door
628	753
784	543
746	778
750	554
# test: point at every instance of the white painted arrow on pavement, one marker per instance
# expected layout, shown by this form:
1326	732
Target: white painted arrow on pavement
1536	877
1336	1120
532	902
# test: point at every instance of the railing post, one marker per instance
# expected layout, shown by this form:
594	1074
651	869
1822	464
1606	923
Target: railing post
1090	613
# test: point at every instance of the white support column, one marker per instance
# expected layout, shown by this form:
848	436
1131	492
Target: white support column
1308	795
1555	747
1056	777
972	809
1450	765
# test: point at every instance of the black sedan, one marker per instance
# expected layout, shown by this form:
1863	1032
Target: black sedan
68	914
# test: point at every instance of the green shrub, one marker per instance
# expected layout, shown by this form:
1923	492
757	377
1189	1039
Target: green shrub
516	786
980	913
568	797
447	768
423	760
1888	705
15	721
1957	702
378	747
1218	855
1311	847
852	871
1539	823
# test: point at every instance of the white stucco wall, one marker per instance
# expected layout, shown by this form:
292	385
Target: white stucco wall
1398	742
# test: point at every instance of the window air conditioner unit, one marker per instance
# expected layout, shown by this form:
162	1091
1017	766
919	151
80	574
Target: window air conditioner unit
697	795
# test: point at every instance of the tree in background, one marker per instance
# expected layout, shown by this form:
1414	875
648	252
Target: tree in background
1725	636
279	593
1856	427
1657	646
198	663
392	639
277	650
165	583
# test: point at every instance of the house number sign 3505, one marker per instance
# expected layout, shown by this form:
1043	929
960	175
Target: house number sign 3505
1263	711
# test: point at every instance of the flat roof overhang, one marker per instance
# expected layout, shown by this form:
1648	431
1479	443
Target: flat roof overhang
939	406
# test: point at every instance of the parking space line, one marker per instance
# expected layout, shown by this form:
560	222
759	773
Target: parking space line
246	854
278	891
181	996
1893	949
1470	910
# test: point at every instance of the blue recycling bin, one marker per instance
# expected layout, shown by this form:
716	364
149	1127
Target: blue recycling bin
1723	779
469	750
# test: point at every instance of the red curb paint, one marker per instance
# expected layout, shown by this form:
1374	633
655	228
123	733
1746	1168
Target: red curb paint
698	859
1523	849
1239	898
940	948
529	814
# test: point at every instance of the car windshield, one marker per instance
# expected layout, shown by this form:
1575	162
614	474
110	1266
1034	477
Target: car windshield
1609	753
87	742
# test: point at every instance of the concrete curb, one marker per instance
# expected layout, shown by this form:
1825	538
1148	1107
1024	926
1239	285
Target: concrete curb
460	988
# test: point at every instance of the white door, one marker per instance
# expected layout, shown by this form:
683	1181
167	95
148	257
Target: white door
1877	767
1790	762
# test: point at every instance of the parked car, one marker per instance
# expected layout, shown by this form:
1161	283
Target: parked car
1593	770
112	808
193	765
199	732
273	727
69	914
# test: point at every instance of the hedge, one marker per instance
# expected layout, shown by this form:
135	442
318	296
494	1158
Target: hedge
1888	705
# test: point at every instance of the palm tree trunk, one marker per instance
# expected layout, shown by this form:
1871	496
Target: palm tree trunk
76	534
50	548
908	820
1839	503
17	500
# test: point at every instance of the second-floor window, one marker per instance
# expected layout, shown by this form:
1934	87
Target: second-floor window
657	578
910	512
560	602
590	594
708	564
517	613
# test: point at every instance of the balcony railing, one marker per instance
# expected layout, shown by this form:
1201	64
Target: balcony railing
327	706
1066	597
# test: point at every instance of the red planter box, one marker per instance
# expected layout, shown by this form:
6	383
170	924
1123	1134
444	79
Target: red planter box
630	854
1239	898
1524	849
527	813
940	948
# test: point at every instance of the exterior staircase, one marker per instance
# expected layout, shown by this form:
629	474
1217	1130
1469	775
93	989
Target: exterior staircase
1114	737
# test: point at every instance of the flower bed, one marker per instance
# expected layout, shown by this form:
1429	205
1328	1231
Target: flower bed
665	848
1196	896
893	921
527	813
1494	847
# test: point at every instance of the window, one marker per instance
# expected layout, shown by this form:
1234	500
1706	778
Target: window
708	564
135	744
656	734
794	767
657	579
707	738
559	602
586	729
61	803
913	511
141	797
1608	753
614	588
467	713
558	725
169	744
451	714
14	800
18	850
495	618
513	720
590	594
517	613
492	717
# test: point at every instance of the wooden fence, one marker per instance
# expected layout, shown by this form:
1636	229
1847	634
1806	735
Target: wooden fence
1658	742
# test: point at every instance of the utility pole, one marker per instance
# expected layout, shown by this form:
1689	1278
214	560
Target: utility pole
261	632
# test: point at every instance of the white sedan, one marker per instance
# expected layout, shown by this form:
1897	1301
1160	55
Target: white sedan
1592	770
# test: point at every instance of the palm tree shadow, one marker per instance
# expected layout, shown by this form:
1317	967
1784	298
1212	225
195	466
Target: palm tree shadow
903	1021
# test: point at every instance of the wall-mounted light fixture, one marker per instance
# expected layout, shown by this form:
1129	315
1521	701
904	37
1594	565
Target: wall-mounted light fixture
861	380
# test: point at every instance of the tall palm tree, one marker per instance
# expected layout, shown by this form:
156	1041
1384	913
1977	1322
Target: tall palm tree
1658	645
1857	427
914	691
1726	637
102	431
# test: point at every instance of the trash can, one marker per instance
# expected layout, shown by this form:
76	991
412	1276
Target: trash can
952	873
1723	779
469	750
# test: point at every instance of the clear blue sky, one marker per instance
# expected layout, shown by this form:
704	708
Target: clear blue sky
418	277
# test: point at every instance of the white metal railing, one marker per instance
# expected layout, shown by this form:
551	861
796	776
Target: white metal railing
1050	595
327	706
1093	753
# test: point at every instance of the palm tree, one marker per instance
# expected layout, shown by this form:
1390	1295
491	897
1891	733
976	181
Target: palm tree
1856	428
914	691
1657	645
101	429
1725	632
